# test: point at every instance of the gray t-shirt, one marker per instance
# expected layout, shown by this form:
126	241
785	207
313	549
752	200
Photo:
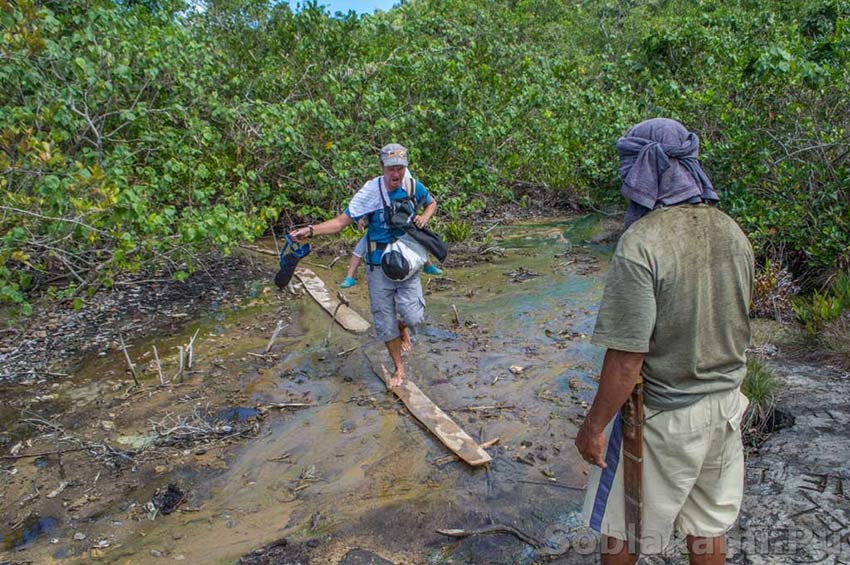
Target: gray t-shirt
678	289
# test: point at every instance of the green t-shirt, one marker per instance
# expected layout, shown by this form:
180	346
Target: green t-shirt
678	289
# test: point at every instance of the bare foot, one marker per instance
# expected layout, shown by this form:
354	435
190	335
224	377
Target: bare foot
405	339
397	379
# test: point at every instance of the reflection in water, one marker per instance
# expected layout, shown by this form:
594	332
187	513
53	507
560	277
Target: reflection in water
32	528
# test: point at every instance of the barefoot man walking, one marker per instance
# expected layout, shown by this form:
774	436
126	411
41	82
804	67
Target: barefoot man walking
397	305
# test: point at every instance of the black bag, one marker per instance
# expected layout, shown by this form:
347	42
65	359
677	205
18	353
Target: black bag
400	214
288	261
429	240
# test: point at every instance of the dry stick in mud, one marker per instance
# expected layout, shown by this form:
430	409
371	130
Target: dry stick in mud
43	453
158	366
493	529
129	361
190	349
106	449
343	301
179	376
277	328
347	351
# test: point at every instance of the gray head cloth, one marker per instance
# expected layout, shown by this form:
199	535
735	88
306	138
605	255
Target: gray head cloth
659	167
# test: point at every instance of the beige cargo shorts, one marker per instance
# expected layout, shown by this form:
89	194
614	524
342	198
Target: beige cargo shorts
693	473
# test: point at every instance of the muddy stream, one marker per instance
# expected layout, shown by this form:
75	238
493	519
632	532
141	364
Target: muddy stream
351	473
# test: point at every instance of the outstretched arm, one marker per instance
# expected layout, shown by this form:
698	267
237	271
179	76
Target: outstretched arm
331	226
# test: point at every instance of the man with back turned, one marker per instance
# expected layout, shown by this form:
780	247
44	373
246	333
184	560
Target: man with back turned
675	312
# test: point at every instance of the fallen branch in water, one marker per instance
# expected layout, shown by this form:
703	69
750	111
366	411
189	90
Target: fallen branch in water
43	453
283	406
493	529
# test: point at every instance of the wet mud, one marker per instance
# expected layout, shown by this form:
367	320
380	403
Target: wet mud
295	452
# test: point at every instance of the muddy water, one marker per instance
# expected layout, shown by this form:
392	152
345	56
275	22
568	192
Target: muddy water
354	470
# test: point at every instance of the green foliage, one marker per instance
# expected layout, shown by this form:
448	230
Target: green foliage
457	230
760	386
840	289
814	313
135	133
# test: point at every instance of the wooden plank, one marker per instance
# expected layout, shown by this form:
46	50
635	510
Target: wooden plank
345	316
438	422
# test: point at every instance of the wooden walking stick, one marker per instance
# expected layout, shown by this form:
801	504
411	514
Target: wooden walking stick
632	414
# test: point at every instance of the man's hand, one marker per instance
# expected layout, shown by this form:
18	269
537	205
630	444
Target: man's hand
591	445
422	219
301	233
620	372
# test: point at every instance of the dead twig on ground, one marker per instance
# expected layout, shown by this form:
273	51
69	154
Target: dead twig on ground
495	250
347	351
129	361
491	228
179	376
277	328
343	301
158	365
199	428
43	453
548	484
491	443
262	355
190	349
486	408
96	449
493	529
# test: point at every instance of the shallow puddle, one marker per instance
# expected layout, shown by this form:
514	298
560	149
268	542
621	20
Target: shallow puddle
505	352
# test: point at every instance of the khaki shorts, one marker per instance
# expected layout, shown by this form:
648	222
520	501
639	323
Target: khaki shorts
393	301
693	473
